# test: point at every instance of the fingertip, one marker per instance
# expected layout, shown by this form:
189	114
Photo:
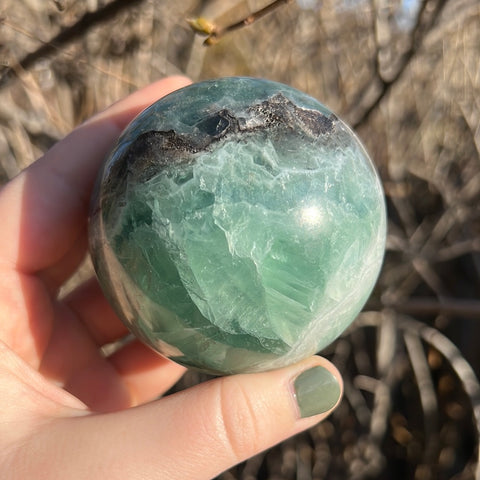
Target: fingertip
260	410
317	389
123	111
176	80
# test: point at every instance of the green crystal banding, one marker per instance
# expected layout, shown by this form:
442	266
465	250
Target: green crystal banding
237	226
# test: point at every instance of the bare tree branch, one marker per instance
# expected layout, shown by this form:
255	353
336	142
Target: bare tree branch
384	85
69	35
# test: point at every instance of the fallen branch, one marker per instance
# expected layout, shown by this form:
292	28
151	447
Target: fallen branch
431	306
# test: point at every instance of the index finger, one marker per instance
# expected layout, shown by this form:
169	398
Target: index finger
45	207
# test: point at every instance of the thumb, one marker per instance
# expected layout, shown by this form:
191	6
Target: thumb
200	432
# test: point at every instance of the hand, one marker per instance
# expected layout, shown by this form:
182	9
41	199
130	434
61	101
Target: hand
64	406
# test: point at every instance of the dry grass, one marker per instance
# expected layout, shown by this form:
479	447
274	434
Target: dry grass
411	403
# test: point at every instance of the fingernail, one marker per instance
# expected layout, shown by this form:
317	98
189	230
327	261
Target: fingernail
316	391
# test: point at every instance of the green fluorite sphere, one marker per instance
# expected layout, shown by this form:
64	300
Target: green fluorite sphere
237	226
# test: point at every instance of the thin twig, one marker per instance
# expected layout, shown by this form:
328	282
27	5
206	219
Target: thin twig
214	33
428	398
67	36
19	71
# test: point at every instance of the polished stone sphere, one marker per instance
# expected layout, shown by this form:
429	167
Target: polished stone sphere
238	225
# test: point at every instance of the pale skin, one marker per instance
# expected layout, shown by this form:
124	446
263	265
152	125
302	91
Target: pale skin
66	410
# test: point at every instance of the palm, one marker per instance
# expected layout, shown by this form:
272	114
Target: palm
60	340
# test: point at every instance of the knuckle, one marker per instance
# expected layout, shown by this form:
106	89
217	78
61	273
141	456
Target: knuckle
240	420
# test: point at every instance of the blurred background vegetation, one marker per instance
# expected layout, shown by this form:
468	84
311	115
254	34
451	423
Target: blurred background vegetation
406	75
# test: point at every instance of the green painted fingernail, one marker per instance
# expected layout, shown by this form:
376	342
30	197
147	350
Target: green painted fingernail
316	391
